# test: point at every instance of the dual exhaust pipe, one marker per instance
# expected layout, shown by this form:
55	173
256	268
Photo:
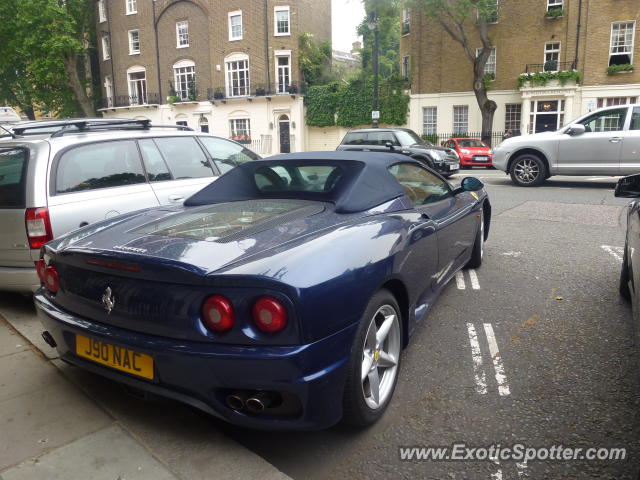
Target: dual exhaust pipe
255	402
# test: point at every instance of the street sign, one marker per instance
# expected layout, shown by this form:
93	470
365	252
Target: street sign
375	115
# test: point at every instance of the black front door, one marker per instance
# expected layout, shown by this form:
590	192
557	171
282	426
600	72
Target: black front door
285	139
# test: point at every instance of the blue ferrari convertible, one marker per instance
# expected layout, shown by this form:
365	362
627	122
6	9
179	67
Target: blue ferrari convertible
280	296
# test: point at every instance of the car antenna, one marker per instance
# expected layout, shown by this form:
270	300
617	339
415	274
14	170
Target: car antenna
13	135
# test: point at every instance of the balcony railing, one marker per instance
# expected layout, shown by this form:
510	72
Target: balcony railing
292	88
130	100
549	66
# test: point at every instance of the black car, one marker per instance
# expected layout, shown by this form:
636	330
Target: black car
405	141
629	187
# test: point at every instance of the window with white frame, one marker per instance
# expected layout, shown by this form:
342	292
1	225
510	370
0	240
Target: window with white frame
282	23
430	120
237	68
240	129
406	21
492	12
102	11
137	83
613	101
134	42
106	48
551	56
405	67
621	49
108	90
182	34
184	73
554	4
460	119
512	117
235	25
490	66
132	6
283	63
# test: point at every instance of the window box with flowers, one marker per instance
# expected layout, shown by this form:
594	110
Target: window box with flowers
244	139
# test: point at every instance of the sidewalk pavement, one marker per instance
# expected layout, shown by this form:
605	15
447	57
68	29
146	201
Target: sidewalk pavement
59	422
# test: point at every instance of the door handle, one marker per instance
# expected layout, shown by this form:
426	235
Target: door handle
615	139
176	198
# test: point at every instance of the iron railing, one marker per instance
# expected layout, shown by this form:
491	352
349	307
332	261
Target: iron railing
440	138
260	90
549	66
130	100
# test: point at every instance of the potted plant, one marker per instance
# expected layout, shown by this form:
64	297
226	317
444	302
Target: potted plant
293	88
173	95
613	69
555	13
260	89
551	66
192	92
218	94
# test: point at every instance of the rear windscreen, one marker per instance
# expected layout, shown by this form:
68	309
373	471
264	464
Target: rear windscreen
297	178
13	172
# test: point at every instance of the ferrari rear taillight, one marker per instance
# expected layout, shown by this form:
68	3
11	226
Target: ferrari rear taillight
40	269
217	314
51	278
38	226
269	315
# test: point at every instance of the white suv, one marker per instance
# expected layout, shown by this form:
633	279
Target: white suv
604	142
83	171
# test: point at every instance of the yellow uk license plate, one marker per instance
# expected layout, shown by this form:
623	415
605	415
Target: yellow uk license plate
116	357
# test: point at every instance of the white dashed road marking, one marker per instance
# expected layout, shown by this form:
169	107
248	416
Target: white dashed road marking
476	355
616	252
501	378
473	278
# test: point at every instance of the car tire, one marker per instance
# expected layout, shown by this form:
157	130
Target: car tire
378	358
477	253
623	284
528	170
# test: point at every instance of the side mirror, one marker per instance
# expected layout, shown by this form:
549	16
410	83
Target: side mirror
389	145
576	129
469	184
628	187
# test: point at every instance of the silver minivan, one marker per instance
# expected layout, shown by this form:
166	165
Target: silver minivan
81	172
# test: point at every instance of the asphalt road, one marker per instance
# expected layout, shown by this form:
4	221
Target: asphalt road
533	348
548	292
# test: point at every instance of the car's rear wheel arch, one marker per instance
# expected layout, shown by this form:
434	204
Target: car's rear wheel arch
399	291
528	151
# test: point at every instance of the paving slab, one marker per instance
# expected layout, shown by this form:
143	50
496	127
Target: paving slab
25	372
11	343
20	312
108	454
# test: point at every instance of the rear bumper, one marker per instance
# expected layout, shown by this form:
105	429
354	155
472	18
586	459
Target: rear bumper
201	374
19	279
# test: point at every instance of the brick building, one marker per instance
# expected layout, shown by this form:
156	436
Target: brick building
229	67
529	36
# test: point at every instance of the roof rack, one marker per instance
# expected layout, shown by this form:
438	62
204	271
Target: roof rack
75	126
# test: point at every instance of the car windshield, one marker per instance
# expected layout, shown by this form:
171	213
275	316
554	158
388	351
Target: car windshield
298	178
470	143
409	137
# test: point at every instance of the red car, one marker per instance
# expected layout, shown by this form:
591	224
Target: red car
471	152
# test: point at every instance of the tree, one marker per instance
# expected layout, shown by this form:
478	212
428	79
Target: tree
314	59
461	19
388	15
46	47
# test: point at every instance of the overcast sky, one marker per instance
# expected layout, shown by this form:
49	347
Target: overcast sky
346	16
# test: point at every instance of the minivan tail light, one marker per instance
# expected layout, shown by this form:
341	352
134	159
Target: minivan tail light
269	315
51	280
38	226
217	314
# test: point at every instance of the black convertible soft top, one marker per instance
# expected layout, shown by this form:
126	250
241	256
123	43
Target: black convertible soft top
362	182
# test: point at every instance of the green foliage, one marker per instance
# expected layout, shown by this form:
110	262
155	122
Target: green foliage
613	69
555	13
349	104
44	47
314	59
542	78
488	79
431	138
388	12
458	11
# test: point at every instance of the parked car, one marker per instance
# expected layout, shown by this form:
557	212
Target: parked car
275	296
471	151
8	117
604	142
81	172
405	141
629	187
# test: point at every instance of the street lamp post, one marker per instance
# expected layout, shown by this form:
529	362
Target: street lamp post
375	113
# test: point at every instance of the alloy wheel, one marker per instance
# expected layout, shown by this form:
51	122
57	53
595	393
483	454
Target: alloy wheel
380	355
526	170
